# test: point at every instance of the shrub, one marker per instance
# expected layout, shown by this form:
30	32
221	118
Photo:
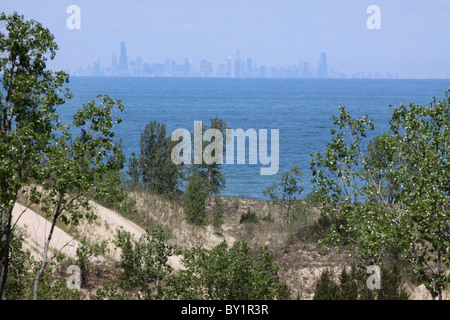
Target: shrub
145	260
353	285
249	216
326	288
194	200
224	274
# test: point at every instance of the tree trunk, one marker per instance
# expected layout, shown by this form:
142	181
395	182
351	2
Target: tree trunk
5	232
439	267
44	258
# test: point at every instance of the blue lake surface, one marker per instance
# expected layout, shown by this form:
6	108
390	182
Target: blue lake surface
301	109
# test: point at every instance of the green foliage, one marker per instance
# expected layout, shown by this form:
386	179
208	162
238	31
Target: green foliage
38	152
391	281
301	218
56	290
22	272
154	168
348	284
322	227
249	216
268	217
211	173
85	252
20	264
194	200
109	291
217	214
286	191
28	97
380	156
112	187
404	181
284	292
144	260
352	285
224	274
326	288
70	172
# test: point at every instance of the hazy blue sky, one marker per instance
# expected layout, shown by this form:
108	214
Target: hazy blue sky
413	40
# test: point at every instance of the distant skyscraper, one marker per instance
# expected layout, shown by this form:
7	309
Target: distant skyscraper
307	70
115	66
146	68
168	67
123	60
138	67
262	71
96	68
322	70
221	70
229	63
249	67
186	67
237	65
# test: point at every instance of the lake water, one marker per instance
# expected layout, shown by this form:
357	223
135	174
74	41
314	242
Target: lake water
301	109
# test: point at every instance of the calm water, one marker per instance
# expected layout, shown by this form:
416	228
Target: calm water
300	108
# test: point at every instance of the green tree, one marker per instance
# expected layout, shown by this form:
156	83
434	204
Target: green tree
348	284
417	225
144	260
224	273
380	155
154	168
85	253
212	173
286	191
72	165
41	159
352	285
194	199
19	275
326	287
217	214
28	97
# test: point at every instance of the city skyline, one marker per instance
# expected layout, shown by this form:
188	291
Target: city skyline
234	67
274	34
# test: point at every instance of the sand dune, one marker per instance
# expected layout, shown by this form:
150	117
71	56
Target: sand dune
103	228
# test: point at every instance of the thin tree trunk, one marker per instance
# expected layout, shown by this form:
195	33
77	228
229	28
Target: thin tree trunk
439	266
6	241
45	256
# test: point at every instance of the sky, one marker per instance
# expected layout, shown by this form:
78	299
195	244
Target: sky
412	40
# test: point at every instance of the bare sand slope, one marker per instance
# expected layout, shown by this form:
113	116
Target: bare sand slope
104	228
108	222
37	229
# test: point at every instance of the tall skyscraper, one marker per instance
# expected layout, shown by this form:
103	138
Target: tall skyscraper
322	70
237	65
123	60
